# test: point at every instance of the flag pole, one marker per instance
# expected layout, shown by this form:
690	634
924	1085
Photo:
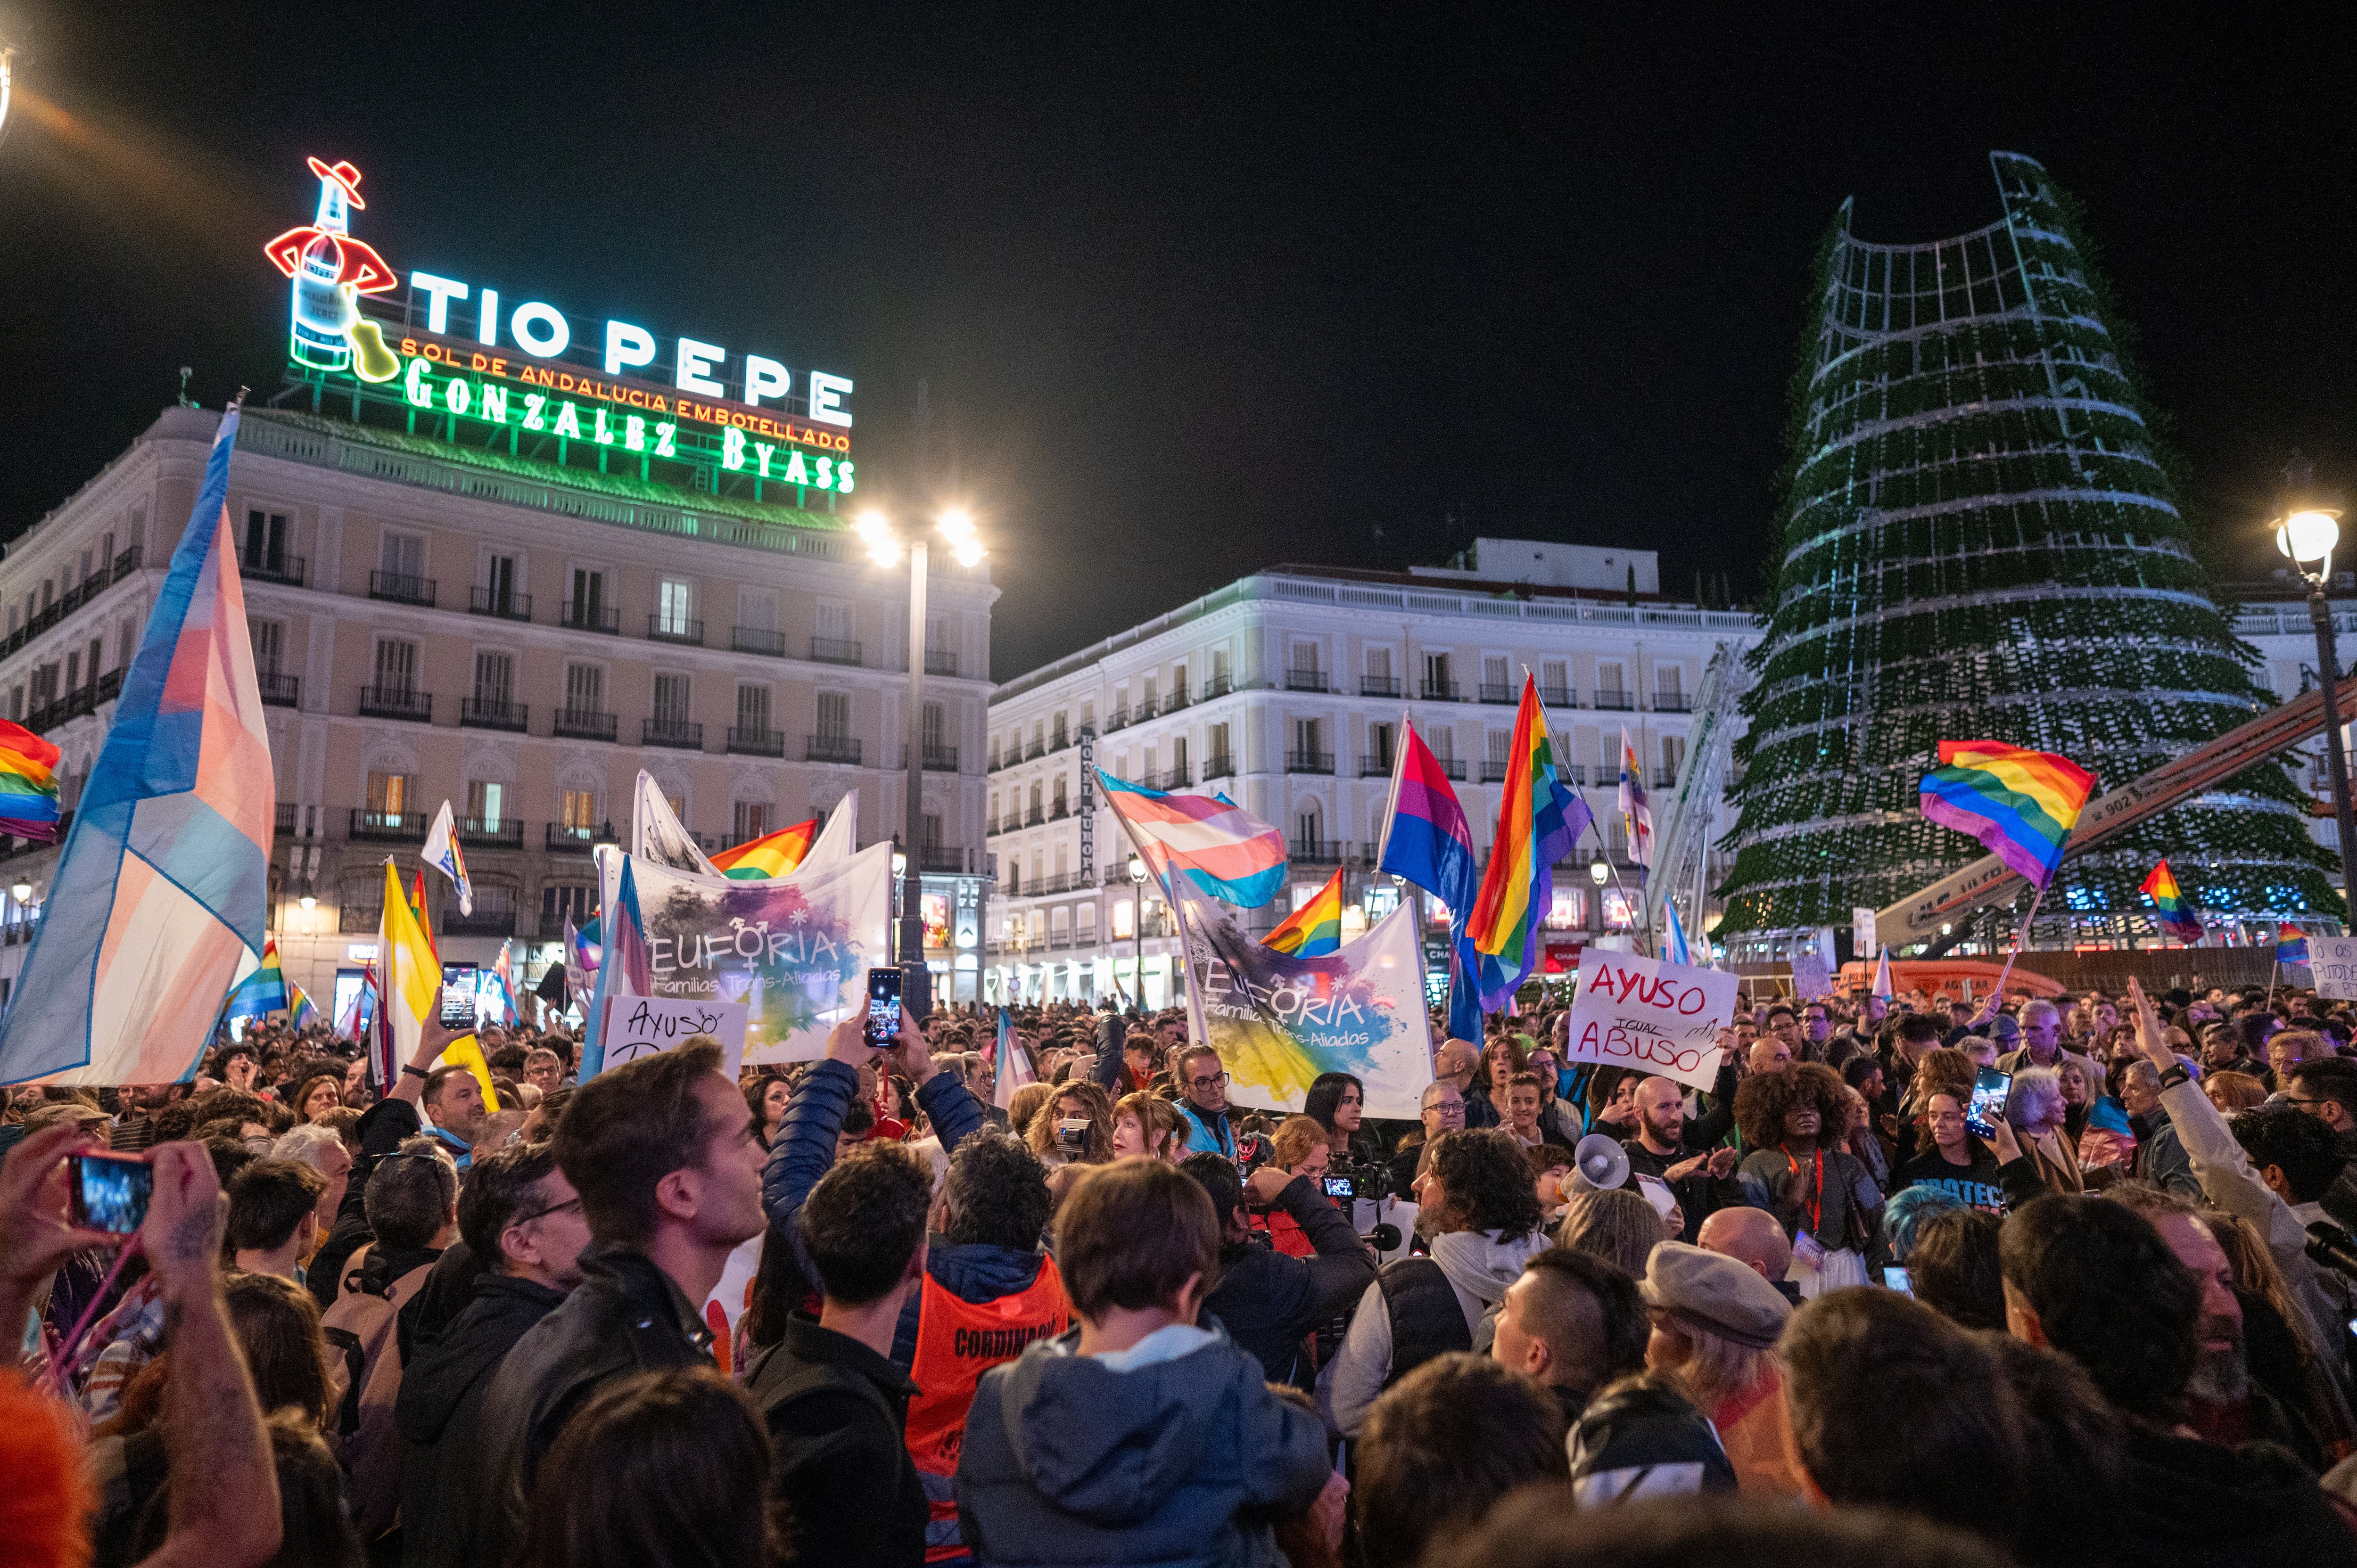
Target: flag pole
2021	940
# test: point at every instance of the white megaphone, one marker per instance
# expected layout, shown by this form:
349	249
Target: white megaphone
1600	1163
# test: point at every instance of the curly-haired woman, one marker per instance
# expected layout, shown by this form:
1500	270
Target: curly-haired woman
1793	1121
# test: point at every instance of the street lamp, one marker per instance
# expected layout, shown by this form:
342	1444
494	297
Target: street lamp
1599	873
2306	533
883	547
1137	925
24	892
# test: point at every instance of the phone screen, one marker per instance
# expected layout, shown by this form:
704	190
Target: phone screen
459	1000
1987	1108
1896	1279
883	1007
110	1192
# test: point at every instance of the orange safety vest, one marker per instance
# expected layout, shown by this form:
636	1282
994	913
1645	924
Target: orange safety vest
957	1342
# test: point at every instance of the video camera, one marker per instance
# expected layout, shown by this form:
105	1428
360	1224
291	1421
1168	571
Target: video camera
1347	1180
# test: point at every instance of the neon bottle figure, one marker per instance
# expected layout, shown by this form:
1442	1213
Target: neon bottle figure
329	271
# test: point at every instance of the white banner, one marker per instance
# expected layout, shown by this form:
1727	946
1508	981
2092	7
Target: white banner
1655	1016
1861	934
648	1025
2332	963
1278	1021
657	835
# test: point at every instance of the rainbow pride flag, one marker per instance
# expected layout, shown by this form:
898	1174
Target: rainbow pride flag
2291	944
2178	916
1230	853
28	785
1539	820
261	993
1316	929
300	1009
771	855
2020	805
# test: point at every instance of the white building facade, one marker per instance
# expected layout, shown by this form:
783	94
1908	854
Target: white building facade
518	639
1286	690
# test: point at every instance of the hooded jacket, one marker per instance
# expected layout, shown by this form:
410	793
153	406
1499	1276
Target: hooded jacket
1480	1265
1268	1301
1141	1459
439	1410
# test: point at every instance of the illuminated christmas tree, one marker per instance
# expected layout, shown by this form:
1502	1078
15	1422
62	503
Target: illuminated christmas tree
1981	539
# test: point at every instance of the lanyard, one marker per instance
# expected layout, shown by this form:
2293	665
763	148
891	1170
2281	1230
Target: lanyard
1817	1203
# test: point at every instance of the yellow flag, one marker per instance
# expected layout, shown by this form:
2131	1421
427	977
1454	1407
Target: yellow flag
413	985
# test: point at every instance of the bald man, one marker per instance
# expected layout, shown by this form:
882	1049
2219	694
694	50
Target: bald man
1699	1174
1771	1053
1751	1237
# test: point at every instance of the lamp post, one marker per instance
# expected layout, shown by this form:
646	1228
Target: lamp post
883	547
1137	926
2307	533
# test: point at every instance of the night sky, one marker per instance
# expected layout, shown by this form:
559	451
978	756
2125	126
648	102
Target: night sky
1196	290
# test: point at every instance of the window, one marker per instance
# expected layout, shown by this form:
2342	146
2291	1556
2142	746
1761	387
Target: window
588	596
753	709
933	732
1379	745
1305	659
1501	748
1088	715
494	679
265	540
835	715
1674	753
1569	912
500	584
834	621
396	668
1493	675
16	701
1179	757
1554	678
1435	673
756	609
929	825
403	556
1085	919
578	809
127	643
1146	701
752	820
674	603
584	688
1305	827
1179	684
1608	680
388	794
1125	920
1379	663
1443	741
1306	733
560	902
1669	680
1036	807
671	699
82	576
267	635
487	804
937	635
73	669
1062	805
1062	732
1220	669
1217	737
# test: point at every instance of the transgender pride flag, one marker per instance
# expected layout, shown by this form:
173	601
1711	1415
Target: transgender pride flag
1230	853
159	898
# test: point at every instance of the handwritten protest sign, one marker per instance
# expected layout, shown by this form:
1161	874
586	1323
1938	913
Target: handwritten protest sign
1811	979
1655	1016
643	1026
2333	963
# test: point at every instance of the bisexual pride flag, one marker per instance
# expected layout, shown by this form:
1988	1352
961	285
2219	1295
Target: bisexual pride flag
162	894
2022	805
2178	916
1228	853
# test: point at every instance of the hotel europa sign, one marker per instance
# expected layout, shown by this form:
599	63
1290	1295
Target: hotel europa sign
450	358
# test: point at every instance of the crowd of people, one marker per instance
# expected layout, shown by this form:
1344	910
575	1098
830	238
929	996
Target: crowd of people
1846	1305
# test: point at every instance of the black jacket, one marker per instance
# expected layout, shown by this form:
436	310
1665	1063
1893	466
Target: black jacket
439	1412
2188	1502
1267	1302
625	1316
838	1420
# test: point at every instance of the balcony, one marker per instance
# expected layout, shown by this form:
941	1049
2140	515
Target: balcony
1615	702
278	690
1217	686
1665	777
1503	695
1035	751
834	650
1673	703
352	919
396	702
1572	773
1558	697
386	827
1175	701
492	712
499	603
753	639
481	923
496	832
558	839
941	663
1060	810
995	763
1493	772
945	860
591	617
1321	852
938	759
396	588
1309	762
831	748
1441	692
1034	817
127	561
1177	777
1379	686
1305	681
1450	767
685	735
1117	719
1058	740
290	570
674	629
756	742
1221	765
584	724
1147	708
1374	766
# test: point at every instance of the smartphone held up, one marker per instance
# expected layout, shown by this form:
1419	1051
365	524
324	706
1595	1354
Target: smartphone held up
109	1192
883	1008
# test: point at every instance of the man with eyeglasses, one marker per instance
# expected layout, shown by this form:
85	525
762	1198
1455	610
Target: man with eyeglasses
1204	1111
1443	1108
522	1220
